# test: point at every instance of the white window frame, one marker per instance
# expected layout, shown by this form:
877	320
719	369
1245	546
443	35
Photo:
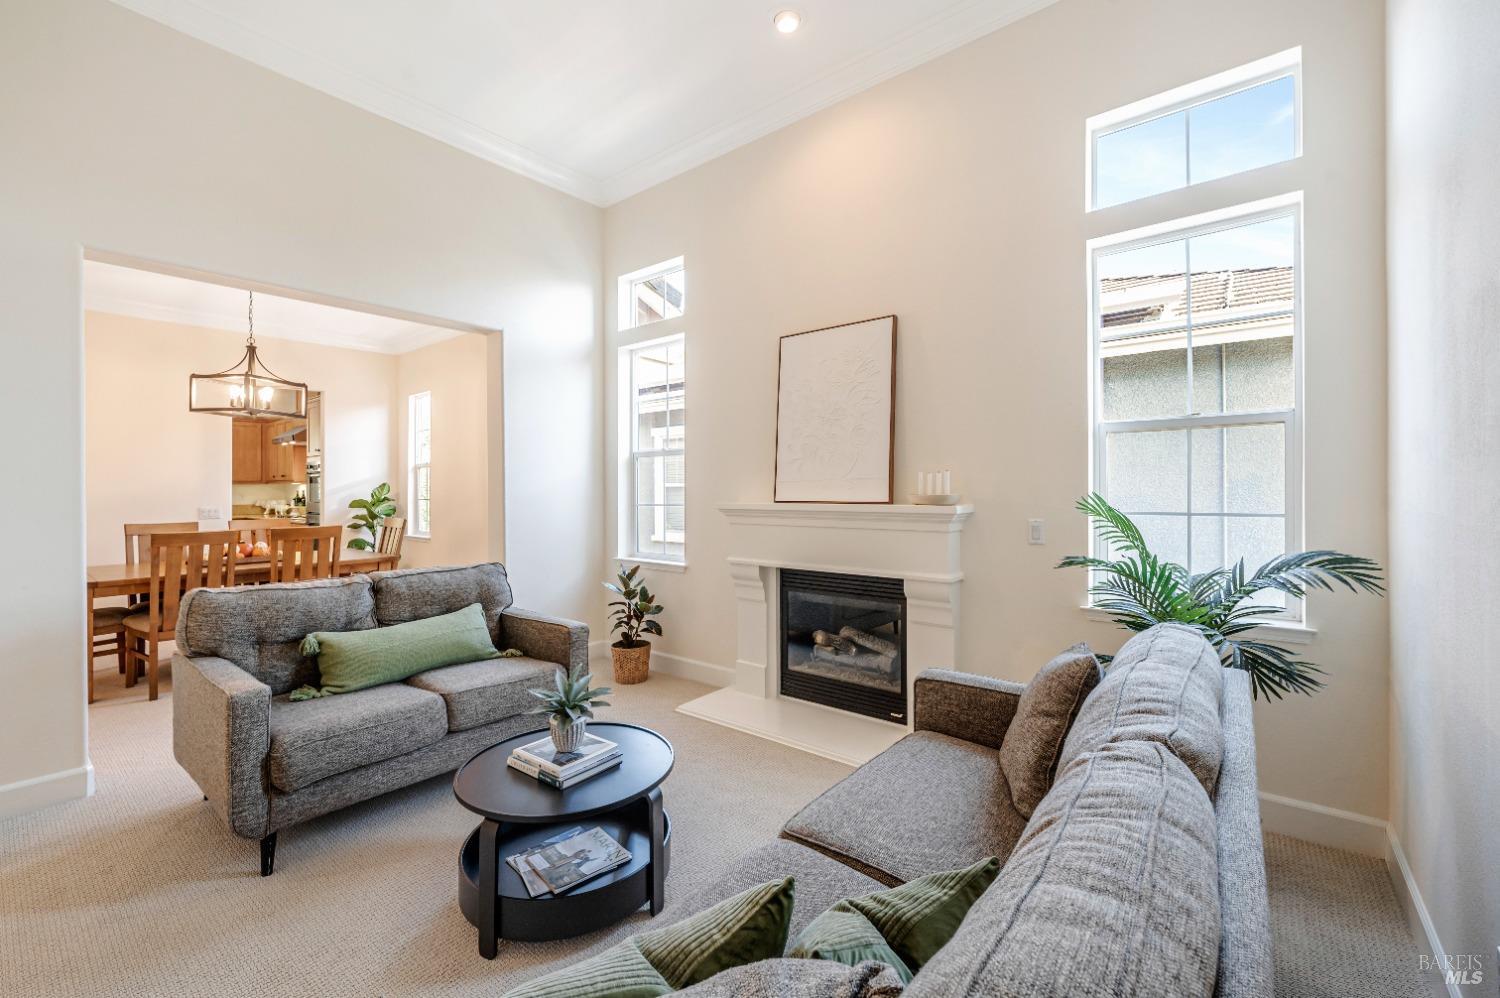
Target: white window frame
1233	81
625	300
413	465
1289	205
631	454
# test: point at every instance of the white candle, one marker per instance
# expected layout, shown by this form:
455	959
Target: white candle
919	483
947	488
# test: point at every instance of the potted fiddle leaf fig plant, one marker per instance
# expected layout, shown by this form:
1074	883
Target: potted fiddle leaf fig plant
631	615
372	513
569	707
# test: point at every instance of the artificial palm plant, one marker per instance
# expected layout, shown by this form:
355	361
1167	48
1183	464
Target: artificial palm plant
569	706
1139	590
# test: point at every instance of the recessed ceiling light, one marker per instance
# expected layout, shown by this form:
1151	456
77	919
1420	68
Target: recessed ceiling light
787	21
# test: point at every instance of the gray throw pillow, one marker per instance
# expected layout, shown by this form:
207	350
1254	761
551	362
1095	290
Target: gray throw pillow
1034	740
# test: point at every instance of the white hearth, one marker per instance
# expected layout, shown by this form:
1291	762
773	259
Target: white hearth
917	544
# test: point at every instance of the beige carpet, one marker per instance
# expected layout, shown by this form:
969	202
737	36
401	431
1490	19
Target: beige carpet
140	890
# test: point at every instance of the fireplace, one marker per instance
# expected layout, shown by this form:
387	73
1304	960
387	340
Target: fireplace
843	642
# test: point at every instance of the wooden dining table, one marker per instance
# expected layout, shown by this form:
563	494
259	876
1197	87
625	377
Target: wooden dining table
135	580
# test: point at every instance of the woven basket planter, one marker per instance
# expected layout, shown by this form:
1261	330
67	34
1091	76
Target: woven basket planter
632	665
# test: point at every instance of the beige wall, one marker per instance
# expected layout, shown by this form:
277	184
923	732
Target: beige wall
952	197
1445	426
149	459
454	372
124	136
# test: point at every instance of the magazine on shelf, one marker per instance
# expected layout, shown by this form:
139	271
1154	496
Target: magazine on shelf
534	884
565	864
597	765
544	755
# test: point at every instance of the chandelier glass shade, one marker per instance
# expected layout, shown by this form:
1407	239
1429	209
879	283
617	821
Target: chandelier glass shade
249	389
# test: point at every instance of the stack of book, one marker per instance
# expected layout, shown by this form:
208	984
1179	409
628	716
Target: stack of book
541	759
567	859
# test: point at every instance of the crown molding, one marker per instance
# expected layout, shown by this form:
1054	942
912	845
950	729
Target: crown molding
937	36
235	38
959	25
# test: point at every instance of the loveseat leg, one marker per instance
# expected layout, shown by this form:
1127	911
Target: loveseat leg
267	854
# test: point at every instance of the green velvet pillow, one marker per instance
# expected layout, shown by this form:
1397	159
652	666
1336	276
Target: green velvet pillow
749	927
911	922
355	660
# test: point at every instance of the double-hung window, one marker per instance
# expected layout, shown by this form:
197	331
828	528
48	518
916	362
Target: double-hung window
1195	342
653	413
419	463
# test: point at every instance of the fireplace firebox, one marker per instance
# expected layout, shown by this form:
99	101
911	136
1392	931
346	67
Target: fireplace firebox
843	642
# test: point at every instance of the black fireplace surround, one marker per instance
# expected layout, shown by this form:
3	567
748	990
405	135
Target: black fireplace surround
843	642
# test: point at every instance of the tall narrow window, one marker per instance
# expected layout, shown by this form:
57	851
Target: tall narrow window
1195	333
654	376
419	464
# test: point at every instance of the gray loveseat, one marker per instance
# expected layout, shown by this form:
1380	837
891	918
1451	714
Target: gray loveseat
1140	873
266	762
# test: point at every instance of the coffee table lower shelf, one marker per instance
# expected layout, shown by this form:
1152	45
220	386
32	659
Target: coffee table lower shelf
593	905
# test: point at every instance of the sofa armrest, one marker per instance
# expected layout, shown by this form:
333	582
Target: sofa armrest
550	639
221	719
975	708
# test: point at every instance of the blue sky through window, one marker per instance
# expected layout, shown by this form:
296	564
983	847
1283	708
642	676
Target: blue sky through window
1240	131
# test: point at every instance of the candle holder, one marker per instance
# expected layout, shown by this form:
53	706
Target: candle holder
935	488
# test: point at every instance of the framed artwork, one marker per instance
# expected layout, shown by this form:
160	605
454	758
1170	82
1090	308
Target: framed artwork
836	413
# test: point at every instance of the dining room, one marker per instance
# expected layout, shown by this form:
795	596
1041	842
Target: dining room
236	436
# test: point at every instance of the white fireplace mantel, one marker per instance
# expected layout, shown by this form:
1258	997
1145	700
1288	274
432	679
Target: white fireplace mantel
916	544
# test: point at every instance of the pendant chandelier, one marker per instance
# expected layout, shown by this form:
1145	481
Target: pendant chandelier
248	390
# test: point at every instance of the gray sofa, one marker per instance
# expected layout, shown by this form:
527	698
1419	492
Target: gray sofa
266	762
1139	873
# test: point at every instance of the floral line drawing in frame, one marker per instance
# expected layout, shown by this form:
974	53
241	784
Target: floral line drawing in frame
836	413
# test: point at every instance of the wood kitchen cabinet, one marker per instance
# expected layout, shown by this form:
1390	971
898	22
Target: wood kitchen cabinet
257	458
248	461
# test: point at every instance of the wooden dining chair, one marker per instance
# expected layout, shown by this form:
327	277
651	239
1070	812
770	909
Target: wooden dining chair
300	553
253	531
138	546
177	562
392	533
108	633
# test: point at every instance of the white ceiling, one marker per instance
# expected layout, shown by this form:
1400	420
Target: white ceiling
167	298
600	98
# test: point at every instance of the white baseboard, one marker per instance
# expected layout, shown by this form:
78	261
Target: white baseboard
1417	917
1327	826
25	796
673	665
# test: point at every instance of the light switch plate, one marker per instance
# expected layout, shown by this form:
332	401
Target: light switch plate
210	513
1036	532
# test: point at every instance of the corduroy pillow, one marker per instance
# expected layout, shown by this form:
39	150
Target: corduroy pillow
743	929
1034	740
356	660
903	927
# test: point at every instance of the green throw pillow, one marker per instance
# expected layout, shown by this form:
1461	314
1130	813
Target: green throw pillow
911	922
355	660
746	928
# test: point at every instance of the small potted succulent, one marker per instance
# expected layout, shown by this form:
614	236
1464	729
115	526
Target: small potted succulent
569	708
632	653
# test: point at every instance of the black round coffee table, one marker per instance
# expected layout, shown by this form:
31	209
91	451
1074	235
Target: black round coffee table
519	813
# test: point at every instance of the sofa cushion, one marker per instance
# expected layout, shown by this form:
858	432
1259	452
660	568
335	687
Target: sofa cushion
476	693
260	628
1034	737
619	972
924	805
413	593
843	935
1166	685
356	660
1112	891
749	926
821	882
787	978
314	739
